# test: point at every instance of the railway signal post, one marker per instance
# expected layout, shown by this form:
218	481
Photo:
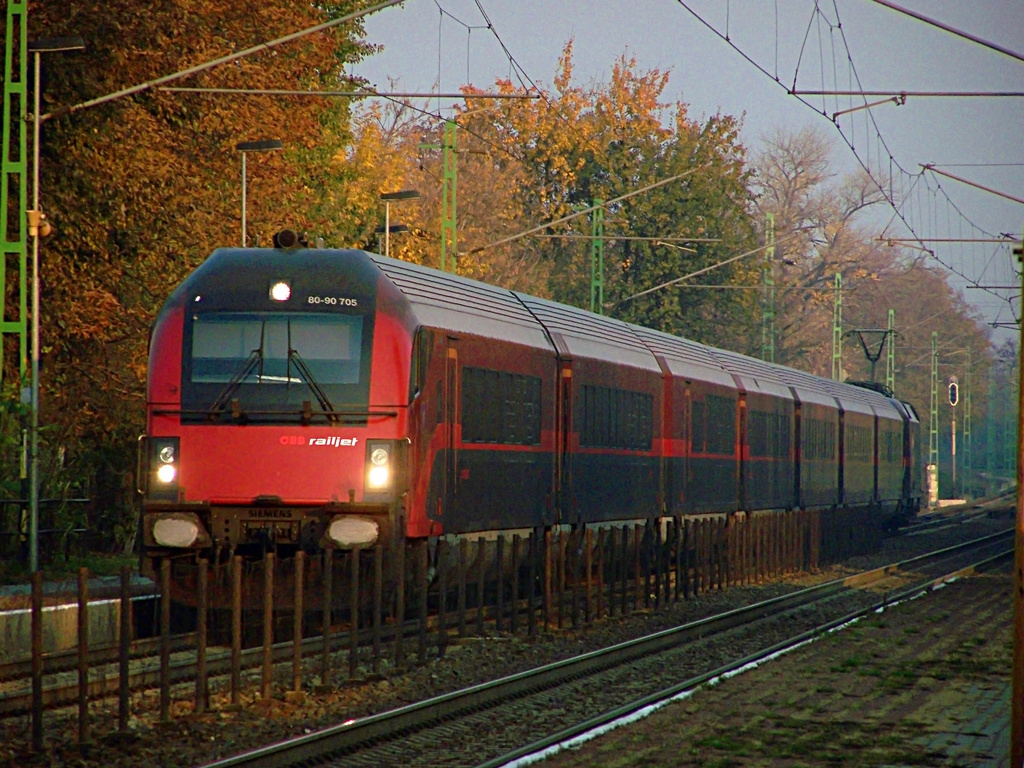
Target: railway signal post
1017	688
954	398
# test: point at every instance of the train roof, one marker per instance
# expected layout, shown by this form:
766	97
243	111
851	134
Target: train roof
850	397
578	333
462	305
685	358
459	304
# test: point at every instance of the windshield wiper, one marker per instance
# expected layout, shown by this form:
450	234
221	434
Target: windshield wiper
311	382
220	403
255	358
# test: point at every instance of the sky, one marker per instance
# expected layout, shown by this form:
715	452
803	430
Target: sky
437	46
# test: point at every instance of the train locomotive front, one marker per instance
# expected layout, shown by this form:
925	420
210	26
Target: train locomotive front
276	408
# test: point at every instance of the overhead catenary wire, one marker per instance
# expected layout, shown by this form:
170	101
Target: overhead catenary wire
149	84
587	210
790	236
903	211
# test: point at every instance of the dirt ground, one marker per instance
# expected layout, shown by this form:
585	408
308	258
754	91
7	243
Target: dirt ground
922	684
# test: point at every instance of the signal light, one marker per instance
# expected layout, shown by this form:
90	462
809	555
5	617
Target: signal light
954	393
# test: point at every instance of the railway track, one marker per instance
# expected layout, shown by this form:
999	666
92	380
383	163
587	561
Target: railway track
957	515
61	680
522	713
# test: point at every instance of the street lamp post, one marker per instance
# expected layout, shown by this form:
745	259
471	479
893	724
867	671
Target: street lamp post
263	145
38	227
388	198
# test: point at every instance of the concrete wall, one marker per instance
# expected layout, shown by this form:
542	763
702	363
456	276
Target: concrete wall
60	628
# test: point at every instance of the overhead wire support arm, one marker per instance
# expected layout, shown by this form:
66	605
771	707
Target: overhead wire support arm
360	94
909	241
933	169
899	101
703	271
915	94
951	30
588	209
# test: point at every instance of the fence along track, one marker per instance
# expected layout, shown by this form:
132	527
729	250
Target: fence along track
576	577
397	725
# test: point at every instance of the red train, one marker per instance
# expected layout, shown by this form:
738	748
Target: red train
302	396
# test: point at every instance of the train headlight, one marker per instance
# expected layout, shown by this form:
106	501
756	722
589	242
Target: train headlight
379	467
174	532
166	473
164	459
280	290
378	478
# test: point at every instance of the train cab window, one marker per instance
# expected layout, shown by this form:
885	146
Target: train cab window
500	407
269	365
275	349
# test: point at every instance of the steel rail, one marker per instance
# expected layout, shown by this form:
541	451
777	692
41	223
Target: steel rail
693	683
144	656
147	671
352	734
107	653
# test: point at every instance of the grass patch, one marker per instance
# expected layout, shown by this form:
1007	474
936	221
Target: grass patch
800	742
848	665
901	678
14	572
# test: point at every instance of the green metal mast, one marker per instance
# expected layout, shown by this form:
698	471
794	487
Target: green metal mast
768	292
890	354
449	243
1010	425
597	258
967	423
933	429
990	426
14	186
837	330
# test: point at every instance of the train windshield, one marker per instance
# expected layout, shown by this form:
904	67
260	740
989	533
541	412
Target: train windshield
266	366
329	345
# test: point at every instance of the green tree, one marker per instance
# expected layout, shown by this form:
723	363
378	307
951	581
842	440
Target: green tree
604	141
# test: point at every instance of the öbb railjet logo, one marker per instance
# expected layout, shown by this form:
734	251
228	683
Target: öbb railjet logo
328	442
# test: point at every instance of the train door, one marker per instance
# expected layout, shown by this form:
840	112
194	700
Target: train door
449	408
842	455
742	448
679	467
565	508
798	451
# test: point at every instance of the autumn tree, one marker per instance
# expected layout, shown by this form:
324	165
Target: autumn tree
142	188
541	157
